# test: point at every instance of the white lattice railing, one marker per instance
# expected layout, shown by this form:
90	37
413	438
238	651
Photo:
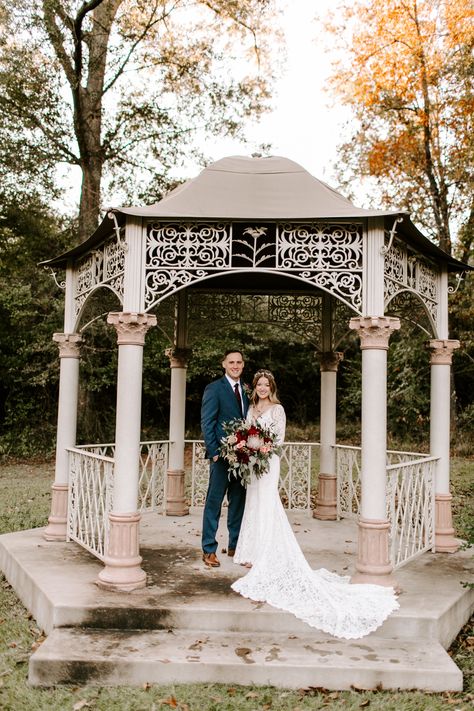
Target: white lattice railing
411	508
298	460
410	498
152	480
348	468
91	471
410	490
89	499
348	465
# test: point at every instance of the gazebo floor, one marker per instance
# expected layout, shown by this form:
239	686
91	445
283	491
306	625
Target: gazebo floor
187	625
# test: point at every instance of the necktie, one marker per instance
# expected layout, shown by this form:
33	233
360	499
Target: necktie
237	395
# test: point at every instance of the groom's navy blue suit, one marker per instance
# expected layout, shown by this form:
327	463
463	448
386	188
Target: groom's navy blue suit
219	405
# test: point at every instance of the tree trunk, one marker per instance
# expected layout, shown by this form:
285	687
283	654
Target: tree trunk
88	107
89	206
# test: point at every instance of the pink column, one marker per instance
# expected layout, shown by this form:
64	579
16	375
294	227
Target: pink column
69	352
175	495
373	563
326	502
122	570
441	357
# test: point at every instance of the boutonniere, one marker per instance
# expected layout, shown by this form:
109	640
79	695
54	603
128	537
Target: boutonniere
247	390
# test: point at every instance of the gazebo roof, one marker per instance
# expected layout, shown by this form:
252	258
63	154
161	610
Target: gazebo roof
242	188
257	189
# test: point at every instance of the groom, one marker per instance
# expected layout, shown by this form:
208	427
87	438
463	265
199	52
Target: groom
223	400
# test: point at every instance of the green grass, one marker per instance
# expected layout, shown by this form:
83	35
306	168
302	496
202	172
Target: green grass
24	504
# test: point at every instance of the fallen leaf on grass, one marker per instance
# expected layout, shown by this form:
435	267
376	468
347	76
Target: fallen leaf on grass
80	705
169	702
251	695
231	691
364	703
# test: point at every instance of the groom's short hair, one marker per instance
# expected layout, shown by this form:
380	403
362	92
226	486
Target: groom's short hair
233	350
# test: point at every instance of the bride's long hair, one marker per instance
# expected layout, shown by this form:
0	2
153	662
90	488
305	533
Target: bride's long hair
273	396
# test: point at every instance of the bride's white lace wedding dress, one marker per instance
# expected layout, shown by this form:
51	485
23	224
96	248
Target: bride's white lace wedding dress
280	574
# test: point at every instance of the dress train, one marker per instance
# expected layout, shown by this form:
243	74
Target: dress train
280	574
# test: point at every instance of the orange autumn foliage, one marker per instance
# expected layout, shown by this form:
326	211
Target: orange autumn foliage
406	72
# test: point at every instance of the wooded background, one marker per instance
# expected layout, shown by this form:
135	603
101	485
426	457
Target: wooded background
124	90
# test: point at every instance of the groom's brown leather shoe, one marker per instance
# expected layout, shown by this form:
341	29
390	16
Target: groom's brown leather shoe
231	552
211	560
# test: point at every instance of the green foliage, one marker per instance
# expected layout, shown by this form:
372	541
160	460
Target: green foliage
30	312
126	90
292	361
408	391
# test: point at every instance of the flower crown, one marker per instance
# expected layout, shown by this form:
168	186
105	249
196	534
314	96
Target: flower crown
264	373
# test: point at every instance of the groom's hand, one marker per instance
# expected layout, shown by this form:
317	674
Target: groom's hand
215	458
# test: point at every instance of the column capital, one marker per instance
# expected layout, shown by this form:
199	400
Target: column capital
131	327
68	344
374	331
442	350
329	361
178	357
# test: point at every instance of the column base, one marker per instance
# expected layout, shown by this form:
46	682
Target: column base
445	541
326	503
56	530
373	562
175	500
122	572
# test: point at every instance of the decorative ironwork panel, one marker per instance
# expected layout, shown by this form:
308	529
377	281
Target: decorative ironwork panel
340	324
320	247
328	255
410	509
295	476
300	313
321	254
349	489
90	500
294	308
103	266
188	246
408	270
199	474
408	307
152	481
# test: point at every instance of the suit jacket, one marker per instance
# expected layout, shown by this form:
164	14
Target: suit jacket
219	405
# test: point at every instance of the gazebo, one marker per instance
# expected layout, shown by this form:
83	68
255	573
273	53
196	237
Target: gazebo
258	226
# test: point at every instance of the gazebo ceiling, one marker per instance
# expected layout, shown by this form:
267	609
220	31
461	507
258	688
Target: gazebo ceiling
241	188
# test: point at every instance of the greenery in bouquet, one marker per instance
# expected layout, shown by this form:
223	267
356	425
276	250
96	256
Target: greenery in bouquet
247	447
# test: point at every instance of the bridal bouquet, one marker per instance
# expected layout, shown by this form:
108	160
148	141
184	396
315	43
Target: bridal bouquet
247	448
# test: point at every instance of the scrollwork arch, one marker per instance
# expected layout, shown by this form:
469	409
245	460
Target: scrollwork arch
409	306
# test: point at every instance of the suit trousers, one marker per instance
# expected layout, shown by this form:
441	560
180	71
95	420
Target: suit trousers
219	486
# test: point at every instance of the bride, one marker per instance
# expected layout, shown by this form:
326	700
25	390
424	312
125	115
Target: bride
278	571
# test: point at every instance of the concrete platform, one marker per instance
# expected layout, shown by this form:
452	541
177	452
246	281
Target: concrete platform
188	625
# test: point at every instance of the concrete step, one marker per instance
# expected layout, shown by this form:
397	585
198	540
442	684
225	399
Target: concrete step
134	657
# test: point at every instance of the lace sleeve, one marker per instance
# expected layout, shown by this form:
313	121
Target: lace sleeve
279	423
